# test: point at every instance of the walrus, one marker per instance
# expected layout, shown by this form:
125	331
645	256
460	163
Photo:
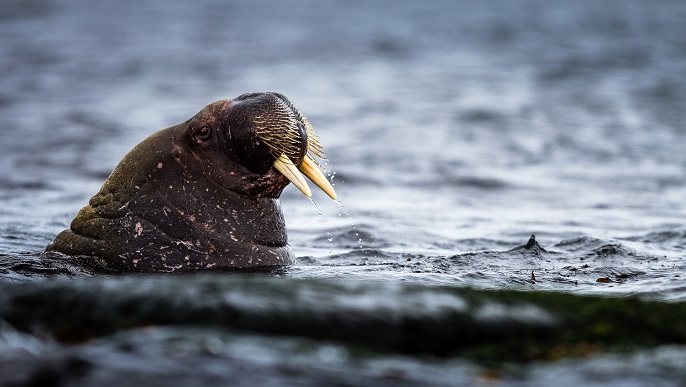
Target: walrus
203	194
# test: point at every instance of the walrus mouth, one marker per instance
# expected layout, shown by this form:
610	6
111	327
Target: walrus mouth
285	130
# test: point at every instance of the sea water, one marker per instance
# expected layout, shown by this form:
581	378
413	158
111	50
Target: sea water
455	130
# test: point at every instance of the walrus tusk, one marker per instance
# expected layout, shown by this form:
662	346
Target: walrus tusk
309	168
284	165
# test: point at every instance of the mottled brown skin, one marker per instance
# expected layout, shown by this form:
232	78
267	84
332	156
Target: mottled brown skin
199	195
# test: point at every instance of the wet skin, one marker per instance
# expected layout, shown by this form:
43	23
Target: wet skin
199	195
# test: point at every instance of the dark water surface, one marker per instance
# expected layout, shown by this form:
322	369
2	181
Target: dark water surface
455	131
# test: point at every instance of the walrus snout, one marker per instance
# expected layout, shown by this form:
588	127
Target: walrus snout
261	123
260	127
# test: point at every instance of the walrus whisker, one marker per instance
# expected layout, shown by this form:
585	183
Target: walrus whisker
313	145
281	128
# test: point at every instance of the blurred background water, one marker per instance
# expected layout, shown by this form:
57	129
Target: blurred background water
455	130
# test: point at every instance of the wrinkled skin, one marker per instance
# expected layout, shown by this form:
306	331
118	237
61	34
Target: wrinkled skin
199	195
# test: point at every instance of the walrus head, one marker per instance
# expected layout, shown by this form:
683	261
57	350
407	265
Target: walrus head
203	194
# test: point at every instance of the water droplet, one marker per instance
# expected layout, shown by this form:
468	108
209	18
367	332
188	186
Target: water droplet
357	234
331	176
317	207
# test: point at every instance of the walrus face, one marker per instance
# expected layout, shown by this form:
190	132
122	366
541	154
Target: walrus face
203	194
266	135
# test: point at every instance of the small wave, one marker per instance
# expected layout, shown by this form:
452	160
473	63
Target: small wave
673	238
34	266
582	243
349	237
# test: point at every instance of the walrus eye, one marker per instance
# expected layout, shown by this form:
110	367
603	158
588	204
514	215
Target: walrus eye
201	134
